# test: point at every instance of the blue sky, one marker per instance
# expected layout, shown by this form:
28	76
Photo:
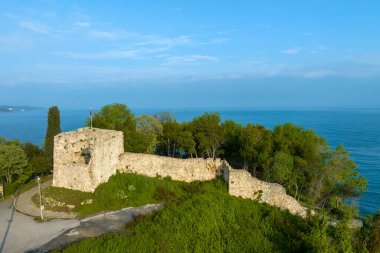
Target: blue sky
190	54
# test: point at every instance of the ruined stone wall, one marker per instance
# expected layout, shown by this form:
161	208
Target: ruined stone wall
86	157
178	169
242	184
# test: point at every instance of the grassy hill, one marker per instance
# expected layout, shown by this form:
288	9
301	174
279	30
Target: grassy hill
202	217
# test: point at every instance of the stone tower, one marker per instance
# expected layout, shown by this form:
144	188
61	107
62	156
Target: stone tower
86	157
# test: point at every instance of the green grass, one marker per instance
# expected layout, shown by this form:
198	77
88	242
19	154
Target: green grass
12	188
200	217
208	220
58	199
122	190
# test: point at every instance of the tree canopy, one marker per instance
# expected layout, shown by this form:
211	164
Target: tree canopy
13	161
53	128
290	155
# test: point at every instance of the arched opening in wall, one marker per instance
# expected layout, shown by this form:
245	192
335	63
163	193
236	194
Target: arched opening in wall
86	153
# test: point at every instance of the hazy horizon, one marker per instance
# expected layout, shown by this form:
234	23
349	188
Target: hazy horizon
181	54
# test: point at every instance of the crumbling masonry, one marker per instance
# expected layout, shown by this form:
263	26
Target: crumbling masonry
87	157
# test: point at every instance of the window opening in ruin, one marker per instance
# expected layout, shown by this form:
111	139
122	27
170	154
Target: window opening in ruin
86	155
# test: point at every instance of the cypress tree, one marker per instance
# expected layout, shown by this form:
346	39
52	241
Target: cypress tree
53	128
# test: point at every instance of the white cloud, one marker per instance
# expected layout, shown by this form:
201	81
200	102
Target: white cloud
83	24
213	41
106	35
318	73
267	26
169	42
34	27
189	59
291	50
14	43
121	54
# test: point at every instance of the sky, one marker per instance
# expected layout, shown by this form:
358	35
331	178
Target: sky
190	54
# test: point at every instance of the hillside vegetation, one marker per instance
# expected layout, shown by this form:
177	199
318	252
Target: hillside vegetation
311	171
122	190
202	217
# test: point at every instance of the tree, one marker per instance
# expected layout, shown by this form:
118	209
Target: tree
176	140
232	142
208	134
114	117
320	176
308	152
338	179
256	148
186	143
120	118
165	117
53	128
13	161
151	128
38	162
281	170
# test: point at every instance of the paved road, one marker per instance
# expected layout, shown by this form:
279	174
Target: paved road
19	232
98	225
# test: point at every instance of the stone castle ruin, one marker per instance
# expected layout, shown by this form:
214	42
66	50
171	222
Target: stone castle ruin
87	157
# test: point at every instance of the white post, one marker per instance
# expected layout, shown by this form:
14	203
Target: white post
39	190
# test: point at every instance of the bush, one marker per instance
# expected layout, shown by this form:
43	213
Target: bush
211	221
163	194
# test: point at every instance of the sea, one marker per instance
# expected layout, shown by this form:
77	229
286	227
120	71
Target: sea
357	129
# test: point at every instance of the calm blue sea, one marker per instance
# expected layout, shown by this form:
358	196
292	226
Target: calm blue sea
357	130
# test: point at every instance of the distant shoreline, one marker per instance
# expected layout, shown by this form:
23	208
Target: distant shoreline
11	108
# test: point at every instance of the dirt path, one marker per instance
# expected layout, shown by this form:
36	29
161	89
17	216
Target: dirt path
24	204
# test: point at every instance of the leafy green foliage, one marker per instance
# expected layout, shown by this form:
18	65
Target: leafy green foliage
318	237
176	140
374	236
256	148
311	171
13	161
208	134
21	162
282	170
232	141
38	161
140	134
207	219
298	159
151	128
53	128
115	117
